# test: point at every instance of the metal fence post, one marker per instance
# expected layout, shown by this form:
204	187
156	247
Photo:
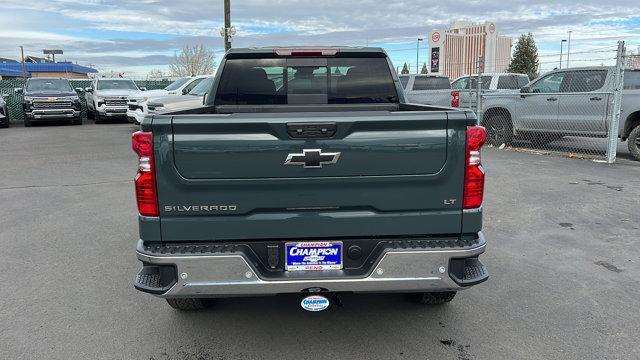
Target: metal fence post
614	119
479	92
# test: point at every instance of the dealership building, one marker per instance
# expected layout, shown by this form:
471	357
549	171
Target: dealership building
456	51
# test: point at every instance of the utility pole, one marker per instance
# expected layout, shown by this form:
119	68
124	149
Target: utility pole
24	67
561	44
227	24
568	48
418	54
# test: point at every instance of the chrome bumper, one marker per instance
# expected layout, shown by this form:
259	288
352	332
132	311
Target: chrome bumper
397	270
110	111
53	114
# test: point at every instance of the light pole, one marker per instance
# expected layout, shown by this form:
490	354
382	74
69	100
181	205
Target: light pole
418	54
561	44
568	48
227	25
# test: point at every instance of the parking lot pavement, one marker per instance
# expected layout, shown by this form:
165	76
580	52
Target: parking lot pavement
563	255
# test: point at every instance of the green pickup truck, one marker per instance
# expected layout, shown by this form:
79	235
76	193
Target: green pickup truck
305	171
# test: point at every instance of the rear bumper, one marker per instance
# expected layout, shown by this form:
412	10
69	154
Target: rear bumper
52	114
198	273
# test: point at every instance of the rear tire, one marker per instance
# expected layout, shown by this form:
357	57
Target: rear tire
189	304
434	298
499	130
98	119
634	143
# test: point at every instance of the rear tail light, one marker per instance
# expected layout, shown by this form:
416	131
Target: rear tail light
306	52
474	173
145	181
455	98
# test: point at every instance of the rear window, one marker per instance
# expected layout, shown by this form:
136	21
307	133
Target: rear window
316	81
632	79
431	83
508	82
523	81
404	80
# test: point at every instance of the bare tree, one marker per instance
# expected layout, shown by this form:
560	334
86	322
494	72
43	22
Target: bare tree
155	74
193	60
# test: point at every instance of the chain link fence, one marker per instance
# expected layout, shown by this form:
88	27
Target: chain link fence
14	101
574	111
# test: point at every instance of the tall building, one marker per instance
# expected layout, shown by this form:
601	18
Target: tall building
457	50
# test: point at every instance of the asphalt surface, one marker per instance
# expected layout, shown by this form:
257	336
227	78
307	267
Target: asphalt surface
563	255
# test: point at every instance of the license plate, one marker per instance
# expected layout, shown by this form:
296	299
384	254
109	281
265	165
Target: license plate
320	255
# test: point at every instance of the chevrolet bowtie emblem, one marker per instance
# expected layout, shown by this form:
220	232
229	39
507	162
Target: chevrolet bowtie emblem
312	158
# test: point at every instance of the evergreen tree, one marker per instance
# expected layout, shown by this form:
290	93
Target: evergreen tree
405	69
525	57
424	69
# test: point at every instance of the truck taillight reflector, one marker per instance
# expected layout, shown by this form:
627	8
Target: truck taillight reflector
455	99
145	180
474	172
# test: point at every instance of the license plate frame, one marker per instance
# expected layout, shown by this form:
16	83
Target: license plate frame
315	258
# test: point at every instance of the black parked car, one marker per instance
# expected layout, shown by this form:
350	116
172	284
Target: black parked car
50	99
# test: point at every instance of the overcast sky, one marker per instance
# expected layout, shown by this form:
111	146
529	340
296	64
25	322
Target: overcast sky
137	36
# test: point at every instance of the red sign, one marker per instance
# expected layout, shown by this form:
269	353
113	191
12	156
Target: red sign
435	37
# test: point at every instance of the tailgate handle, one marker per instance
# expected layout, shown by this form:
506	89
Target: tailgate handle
311	130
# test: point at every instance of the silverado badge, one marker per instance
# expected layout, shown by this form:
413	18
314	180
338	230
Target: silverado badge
312	158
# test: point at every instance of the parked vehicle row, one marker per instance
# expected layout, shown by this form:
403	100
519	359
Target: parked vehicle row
565	102
138	105
462	92
54	99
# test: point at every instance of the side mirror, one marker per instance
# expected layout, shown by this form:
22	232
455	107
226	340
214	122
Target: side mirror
79	89
185	91
204	98
18	91
525	90
88	89
143	89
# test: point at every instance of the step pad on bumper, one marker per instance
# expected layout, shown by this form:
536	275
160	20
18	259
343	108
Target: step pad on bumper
467	272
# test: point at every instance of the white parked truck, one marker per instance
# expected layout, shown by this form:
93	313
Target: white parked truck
107	98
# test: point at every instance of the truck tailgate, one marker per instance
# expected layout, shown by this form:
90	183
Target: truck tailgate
226	177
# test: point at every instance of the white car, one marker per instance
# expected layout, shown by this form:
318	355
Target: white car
193	99
427	89
467	86
107	98
137	105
